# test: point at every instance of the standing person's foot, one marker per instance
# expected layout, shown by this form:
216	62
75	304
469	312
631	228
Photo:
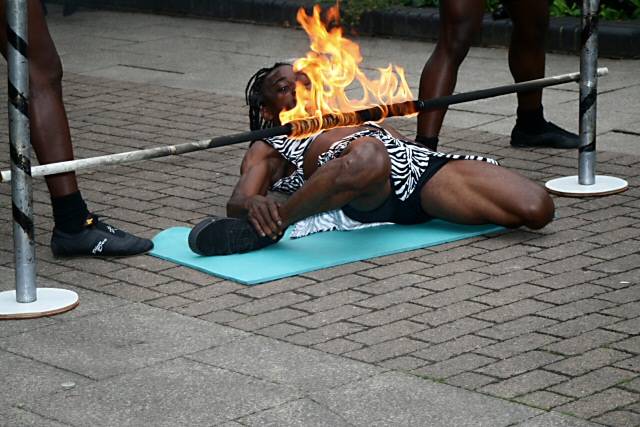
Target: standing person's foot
548	135
225	236
97	239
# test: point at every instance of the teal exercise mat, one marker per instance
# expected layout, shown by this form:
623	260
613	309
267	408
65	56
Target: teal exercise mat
321	250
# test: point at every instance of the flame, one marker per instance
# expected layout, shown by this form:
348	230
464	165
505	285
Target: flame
332	66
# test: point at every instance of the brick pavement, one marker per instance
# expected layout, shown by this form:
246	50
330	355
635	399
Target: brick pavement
548	318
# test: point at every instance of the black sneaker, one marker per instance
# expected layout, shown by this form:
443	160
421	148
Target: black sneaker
98	240
225	236
550	136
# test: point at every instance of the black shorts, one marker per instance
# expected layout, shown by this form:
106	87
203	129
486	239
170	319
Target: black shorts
397	211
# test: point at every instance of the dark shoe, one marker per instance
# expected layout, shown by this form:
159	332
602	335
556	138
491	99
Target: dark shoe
98	240
225	236
550	136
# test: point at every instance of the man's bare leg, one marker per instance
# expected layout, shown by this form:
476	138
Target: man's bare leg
475	192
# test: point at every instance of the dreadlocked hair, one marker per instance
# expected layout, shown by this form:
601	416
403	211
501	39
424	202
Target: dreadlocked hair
255	99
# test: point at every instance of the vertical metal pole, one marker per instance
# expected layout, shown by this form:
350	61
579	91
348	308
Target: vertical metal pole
588	93
20	150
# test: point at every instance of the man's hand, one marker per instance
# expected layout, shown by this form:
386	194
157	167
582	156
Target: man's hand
263	214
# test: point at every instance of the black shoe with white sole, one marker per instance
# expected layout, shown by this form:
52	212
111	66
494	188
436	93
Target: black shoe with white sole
225	236
98	239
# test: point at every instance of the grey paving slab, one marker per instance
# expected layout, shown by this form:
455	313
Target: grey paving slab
179	392
118	341
302	413
24	378
553	419
283	363
402	400
16	417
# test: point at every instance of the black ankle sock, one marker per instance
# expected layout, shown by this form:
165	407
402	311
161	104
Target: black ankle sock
69	212
531	121
431	142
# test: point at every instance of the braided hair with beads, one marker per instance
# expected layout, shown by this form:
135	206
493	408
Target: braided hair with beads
255	99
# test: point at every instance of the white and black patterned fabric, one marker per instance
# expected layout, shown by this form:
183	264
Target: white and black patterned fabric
408	160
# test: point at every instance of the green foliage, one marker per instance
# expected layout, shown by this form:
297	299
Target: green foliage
609	9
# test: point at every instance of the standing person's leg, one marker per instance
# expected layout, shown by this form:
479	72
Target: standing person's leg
76	232
527	62
474	192
460	20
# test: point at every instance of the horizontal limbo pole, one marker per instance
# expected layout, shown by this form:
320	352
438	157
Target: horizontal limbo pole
299	127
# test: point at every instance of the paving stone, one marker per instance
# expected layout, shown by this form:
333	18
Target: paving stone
470	380
131	399
450	268
25	378
306	369
572	328
120	340
592	382
222	316
399	399
513	311
510	266
632	364
631	326
577	308
322	318
568	278
325	333
544	399
628	310
386	350
16	417
266	319
575	262
169	301
131	292
224	301
521	384
584	342
510	279
271	303
555	238
338	346
451	255
452	330
443	351
452	281
513	328
572	293
303	412
554	419
517	345
589	361
331	301
511	294
337	284
599	403
621	296
344	271
280	330
275	287
620	280
441	299
403	363
615	250
633	385
212	291
504	254
175	287
449	313
191	276
387	271
390	314
619	419
631	345
387	332
408	294
455	365
519	364
618	265
391	284
566	250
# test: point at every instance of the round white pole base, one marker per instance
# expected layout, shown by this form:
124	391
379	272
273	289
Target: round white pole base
49	301
603	186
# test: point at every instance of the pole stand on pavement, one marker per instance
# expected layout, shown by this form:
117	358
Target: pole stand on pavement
26	301
587	183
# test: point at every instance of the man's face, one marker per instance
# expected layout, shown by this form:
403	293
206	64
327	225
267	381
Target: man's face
279	89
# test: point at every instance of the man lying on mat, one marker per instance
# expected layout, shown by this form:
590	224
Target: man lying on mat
371	172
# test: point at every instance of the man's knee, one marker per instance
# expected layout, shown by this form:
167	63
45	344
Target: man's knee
457	35
537	209
45	71
367	164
